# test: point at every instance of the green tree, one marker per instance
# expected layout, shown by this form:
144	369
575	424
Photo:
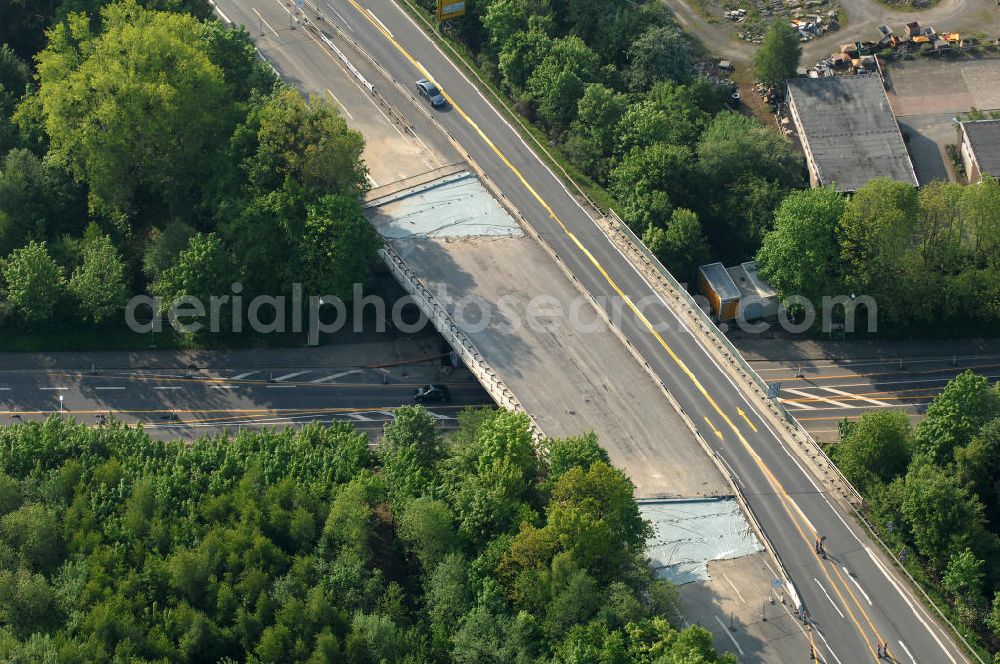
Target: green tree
285	137
574	452
978	465
799	256
138	105
34	282
778	57
164	247
681	246
591	135
449	596
875	235
649	181
427	525
877	450
939	513
661	53
521	55
37	200
14	77
963	581
409	449
99	282
202	270
557	84
338	247
964	406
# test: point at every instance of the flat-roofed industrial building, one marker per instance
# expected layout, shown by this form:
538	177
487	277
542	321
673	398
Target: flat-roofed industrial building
981	148
848	131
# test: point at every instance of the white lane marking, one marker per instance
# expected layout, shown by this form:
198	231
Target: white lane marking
291	375
223	387
339	103
219	10
337	375
4	389
729	634
109	388
438	416
906	598
907	651
264	21
280	387
827	644
287	10
801	393
244	375
733	473
372	14
166	388
869	599
834	390
342	19
802	514
735	589
835	607
359	417
795	404
53	388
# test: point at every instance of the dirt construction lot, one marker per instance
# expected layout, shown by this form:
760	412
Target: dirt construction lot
927	93
863	18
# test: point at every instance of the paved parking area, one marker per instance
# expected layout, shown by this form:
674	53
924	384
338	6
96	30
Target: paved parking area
927	93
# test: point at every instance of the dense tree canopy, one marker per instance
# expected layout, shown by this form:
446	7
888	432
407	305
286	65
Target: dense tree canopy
934	491
303	546
200	170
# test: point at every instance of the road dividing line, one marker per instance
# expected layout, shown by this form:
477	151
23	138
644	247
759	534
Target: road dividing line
360	418
385	29
223	387
244	375
835	607
729	634
838	404
264	21
291	375
907	651
281	387
867	598
53	388
834	390
339	103
4	389
109	388
735	589
167	388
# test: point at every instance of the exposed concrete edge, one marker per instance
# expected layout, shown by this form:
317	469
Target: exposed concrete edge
737	494
454	335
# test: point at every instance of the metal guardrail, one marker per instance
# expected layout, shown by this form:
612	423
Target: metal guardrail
456	337
722	343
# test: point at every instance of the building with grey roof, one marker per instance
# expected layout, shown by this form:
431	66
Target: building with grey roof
981	148
848	131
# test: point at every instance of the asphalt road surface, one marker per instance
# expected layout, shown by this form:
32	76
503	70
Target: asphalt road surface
181	404
821	394
853	600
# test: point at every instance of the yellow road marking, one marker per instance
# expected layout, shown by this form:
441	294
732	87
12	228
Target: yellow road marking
744	416
717	432
628	301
